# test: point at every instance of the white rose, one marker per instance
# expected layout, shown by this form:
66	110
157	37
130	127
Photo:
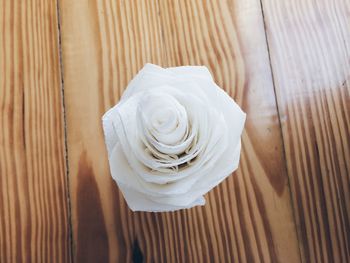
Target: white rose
173	136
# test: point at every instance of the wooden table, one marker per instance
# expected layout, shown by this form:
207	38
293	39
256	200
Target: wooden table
286	63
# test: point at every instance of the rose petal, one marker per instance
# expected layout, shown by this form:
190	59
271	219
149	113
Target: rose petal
126	177
191	72
140	202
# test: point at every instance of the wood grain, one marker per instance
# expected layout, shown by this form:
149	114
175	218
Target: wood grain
248	218
34	223
310	53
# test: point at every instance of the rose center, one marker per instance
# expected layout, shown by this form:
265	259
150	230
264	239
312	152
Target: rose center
164	118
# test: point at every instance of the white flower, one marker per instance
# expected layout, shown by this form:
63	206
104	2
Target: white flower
173	136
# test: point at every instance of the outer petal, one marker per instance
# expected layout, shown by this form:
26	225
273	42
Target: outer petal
191	72
130	185
111	138
151	76
140	202
235	119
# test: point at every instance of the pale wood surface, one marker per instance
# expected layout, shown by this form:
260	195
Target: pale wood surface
310	54
285	62
34	225
249	216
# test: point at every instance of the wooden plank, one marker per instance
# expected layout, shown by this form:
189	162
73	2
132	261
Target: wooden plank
34	225
310	52
102	49
247	218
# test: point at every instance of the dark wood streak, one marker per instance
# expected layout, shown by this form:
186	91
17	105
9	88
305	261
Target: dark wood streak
90	217
246	243
16	134
262	210
122	235
321	184
137	256
259	245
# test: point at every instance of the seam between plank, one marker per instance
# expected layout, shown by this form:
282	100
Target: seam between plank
69	212
281	131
